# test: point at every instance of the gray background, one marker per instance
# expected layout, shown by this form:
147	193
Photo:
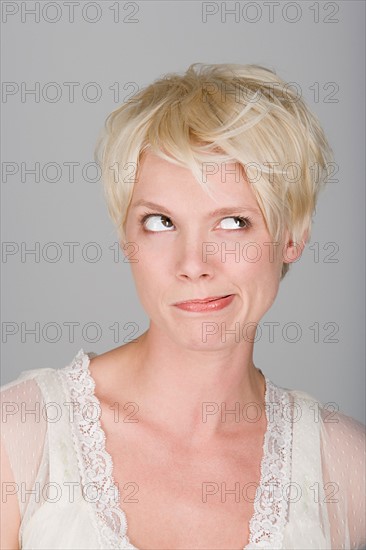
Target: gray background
168	36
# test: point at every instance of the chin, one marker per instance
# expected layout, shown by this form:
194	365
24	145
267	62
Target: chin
196	341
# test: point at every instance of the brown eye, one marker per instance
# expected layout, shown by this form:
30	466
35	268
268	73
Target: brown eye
241	223
155	222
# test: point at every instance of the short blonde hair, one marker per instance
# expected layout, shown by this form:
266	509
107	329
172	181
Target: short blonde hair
236	113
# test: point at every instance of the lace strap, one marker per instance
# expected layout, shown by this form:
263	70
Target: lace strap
271	503
95	462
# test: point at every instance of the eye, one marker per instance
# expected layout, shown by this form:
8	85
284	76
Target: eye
245	223
159	221
155	224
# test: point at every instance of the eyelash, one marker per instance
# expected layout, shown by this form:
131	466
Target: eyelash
147	215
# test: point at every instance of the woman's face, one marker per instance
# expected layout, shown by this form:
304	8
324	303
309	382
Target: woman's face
185	251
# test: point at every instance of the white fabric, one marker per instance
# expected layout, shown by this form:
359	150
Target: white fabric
311	495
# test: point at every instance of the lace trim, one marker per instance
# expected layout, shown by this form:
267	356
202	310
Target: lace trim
271	503
96	463
96	467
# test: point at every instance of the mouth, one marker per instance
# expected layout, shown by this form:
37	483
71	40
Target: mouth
203	300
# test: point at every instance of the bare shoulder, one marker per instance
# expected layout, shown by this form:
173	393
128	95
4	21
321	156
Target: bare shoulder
113	369
112	359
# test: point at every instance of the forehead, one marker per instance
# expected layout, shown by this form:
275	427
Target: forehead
163	183
153	167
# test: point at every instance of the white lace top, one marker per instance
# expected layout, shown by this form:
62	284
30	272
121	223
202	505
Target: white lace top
311	493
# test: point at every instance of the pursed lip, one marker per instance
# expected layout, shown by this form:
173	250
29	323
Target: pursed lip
202	300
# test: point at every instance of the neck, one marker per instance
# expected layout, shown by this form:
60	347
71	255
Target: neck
196	393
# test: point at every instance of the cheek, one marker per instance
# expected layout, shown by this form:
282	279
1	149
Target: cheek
261	258
260	269
269	269
148	270
146	282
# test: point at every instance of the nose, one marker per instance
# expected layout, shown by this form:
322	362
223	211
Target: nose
193	262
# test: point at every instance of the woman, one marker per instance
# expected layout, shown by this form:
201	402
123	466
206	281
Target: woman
177	440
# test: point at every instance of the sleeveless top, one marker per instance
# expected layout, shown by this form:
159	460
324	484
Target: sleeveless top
311	493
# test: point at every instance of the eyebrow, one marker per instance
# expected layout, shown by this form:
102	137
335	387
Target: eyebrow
217	212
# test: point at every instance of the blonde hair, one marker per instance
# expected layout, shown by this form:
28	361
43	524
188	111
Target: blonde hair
236	113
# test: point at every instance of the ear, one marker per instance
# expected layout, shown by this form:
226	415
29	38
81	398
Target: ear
292	250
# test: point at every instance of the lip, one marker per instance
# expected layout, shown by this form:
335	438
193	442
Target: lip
202	300
207	305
